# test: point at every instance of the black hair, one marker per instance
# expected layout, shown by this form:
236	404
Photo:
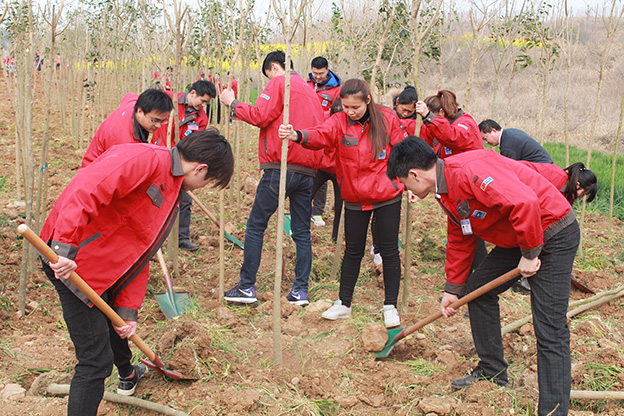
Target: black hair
586	179
153	99
319	63
486	126
210	147
336	106
278	57
407	96
203	87
412	153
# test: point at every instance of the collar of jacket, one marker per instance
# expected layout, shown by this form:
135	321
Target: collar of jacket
441	185
332	80
176	163
140	134
361	121
460	113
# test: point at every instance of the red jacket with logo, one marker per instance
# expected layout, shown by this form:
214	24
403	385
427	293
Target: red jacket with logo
112	218
118	128
409	124
550	171
268	114
194	120
450	138
362	180
505	202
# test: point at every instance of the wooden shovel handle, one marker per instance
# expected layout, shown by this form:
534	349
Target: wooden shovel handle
469	297
49	254
203	208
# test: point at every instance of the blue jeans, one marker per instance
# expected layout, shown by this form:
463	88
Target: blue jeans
299	191
550	292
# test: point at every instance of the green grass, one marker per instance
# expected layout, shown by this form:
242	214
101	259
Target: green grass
420	367
601	165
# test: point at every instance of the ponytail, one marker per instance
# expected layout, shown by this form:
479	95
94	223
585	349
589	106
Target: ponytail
579	176
378	130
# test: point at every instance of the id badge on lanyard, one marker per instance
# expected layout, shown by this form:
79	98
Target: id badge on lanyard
466	227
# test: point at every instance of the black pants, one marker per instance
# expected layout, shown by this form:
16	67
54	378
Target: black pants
550	292
386	238
321	179
184	229
97	346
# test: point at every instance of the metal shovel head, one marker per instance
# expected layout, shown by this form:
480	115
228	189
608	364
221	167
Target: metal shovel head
287	228
181	302
394	336
161	369
235	240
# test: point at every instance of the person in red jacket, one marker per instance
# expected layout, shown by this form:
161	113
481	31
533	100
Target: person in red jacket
363	135
405	108
106	225
326	84
533	227
192	117
574	182
446	127
302	165
133	121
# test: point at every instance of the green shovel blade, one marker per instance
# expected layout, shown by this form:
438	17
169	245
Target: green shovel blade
181	303
392	340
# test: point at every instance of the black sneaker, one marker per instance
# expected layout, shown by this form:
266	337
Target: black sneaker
127	386
187	245
477	374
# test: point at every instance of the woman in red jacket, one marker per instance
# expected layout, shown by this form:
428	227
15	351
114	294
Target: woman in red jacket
363	136
446	127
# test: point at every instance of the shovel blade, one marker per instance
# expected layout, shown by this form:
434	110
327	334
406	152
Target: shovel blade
181	303
235	240
162	370
394	335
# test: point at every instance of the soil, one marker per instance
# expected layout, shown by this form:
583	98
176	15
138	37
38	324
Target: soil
226	352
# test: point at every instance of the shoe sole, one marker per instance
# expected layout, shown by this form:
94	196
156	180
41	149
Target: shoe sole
336	318
126	392
299	302
393	325
240	300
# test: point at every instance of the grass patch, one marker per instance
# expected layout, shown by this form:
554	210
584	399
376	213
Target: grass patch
601	165
420	367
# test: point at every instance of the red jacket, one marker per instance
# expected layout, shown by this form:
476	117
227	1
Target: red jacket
460	135
506	203
363	181
328	92
550	171
113	216
120	128
409	124
268	114
193	120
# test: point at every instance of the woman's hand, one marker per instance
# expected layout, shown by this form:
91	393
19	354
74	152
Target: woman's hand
287	132
63	268
528	267
422	109
447	299
126	331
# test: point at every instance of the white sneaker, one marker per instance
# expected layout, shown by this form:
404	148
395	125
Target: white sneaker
391	316
317	220
377	259
337	311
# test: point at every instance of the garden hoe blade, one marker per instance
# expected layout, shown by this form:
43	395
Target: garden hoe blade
395	335
154	360
172	304
287	228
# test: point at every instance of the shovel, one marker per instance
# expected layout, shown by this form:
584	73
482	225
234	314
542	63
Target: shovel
215	220
173	304
154	360
395	335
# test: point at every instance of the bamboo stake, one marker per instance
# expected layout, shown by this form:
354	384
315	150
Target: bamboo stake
596	395
221	245
63	389
583	305
614	163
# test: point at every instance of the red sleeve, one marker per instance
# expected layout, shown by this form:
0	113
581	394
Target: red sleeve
456	137
324	136
269	105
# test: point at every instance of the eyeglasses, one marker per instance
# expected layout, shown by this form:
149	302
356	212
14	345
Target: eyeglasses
157	120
